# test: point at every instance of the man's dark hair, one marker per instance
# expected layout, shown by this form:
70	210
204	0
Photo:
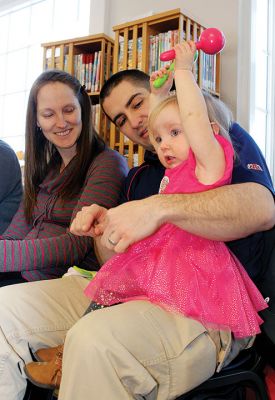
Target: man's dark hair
135	76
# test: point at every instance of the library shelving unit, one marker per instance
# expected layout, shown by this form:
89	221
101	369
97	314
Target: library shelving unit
90	59
139	43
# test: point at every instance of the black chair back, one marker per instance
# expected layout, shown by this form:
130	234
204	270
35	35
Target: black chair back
265	342
267	285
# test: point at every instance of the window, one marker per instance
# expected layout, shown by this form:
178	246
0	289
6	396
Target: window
22	30
262	82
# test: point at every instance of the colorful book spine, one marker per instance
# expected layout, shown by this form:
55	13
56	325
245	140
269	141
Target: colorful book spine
94	72
98	67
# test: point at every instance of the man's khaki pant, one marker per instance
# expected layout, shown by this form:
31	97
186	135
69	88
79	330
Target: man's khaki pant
135	350
130	351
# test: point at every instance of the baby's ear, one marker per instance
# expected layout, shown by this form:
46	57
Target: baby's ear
215	128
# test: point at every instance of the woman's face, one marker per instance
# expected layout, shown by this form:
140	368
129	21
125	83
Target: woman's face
59	117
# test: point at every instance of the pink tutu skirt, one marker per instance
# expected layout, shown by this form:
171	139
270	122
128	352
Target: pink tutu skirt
184	273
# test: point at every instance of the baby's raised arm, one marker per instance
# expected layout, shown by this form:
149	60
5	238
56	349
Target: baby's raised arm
196	125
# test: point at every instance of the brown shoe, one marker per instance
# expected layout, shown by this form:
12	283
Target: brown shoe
45	374
48	354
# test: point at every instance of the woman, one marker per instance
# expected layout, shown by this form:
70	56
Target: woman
67	166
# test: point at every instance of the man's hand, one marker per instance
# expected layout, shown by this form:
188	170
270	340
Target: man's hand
129	223
118	227
161	93
164	90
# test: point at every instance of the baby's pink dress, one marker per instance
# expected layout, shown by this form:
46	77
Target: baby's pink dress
182	272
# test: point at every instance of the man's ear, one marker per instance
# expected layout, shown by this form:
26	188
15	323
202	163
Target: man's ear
215	128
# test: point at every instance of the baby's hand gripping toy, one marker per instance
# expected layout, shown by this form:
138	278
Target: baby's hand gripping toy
211	41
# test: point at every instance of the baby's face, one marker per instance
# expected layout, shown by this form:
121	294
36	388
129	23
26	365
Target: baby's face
168	138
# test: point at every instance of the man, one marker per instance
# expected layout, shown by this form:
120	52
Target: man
128	360
10	185
133	350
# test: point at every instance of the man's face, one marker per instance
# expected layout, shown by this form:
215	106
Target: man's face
128	107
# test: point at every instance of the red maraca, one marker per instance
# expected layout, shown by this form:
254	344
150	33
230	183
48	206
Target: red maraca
211	41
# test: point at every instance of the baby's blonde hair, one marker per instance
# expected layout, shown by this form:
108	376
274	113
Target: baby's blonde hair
217	112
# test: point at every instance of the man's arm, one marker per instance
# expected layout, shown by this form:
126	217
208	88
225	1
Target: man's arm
226	213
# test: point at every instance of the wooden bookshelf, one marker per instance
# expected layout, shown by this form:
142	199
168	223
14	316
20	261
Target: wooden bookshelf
90	59
133	49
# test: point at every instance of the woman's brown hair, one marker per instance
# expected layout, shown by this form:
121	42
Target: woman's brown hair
41	155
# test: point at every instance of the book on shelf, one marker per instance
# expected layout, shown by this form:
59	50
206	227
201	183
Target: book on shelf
121	53
97	73
139	52
157	44
87	70
130	63
96	116
209	72
135	160
93	76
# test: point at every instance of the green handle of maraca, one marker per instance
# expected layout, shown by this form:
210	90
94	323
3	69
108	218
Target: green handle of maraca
159	82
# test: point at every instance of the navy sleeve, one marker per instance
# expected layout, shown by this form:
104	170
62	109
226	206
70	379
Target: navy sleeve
142	182
250	165
10	185
124	194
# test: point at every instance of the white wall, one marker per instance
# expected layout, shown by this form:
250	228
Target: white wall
99	17
222	14
229	16
7	4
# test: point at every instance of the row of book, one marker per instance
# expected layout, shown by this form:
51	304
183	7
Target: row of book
130	61
159	43
162	42
87	70
86	67
208	78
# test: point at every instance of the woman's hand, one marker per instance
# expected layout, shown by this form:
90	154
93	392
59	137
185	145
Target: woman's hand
88	221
